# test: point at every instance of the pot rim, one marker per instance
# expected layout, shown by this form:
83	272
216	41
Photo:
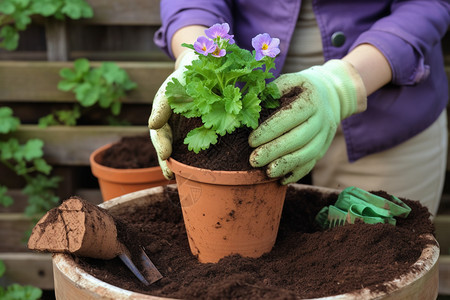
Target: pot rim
248	177
427	261
127	175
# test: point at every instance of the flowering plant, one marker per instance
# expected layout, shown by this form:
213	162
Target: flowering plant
226	86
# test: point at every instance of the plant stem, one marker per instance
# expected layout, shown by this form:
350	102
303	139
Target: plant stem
220	83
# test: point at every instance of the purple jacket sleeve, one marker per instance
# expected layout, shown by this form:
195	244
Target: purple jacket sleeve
407	35
176	14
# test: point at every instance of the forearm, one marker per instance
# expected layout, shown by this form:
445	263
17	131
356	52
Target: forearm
371	65
189	35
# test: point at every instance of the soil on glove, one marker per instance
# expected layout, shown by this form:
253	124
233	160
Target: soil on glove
132	152
306	262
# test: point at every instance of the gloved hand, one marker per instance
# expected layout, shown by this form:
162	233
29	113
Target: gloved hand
160	131
298	135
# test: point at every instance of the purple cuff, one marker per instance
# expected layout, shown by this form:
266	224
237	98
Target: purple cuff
191	16
408	67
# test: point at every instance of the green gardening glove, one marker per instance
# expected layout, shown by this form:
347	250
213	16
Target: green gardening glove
298	135
160	131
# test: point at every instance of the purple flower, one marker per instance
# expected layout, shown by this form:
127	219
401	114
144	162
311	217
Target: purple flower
218	52
265	46
220	31
204	45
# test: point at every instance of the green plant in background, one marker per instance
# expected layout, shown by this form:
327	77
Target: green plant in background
16	291
26	160
15	15
104	86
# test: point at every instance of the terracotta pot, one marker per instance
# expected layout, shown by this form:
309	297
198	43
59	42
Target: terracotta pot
72	282
117	182
228	212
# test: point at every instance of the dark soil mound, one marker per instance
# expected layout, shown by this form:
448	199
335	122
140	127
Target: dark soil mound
131	153
232	151
306	262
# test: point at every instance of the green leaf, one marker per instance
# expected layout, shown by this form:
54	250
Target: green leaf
249	114
112	73
68	117
33	149
9	149
116	107
271	95
5	200
19	292
7	8
68	74
202	96
2	268
66	85
22	3
47	120
179	100
81	66
8	122
21	20
81	93
200	139
9	37
95	77
129	85
199	69
45	8
76	9
220	120
42	166
232	98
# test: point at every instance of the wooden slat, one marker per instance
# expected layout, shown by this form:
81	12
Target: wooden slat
56	40
28	269
141	56
124	12
33	81
444	275
94	196
12	232
442	224
72	146
20	202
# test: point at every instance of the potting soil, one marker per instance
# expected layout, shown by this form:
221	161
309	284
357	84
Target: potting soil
231	152
305	262
131	152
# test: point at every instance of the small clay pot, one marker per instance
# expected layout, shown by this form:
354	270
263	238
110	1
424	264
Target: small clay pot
228	212
117	182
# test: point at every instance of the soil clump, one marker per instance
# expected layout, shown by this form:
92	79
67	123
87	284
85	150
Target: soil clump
306	262
77	227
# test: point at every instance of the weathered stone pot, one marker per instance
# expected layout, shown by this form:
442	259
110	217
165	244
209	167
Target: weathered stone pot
71	282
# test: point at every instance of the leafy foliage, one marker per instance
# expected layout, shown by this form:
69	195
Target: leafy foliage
26	160
16	291
104	86
15	15
225	92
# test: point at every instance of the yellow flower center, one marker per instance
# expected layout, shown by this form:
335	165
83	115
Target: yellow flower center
265	46
204	48
216	51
